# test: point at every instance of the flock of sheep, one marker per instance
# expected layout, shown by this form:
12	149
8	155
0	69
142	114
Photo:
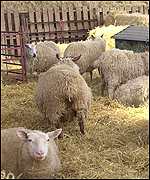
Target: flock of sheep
63	94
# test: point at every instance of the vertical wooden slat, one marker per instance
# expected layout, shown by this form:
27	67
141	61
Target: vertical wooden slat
65	26
58	25
85	16
79	24
39	24
71	17
32	25
10	29
90	16
95	17
46	26
146	9
2	21
51	23
2	29
17	29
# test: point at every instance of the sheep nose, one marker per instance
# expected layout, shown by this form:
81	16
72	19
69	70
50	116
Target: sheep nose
34	55
40	153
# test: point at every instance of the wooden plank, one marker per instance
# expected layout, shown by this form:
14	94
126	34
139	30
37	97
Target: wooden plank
57	20
65	26
51	19
32	26
2	21
95	16
85	17
79	17
39	25
2	27
10	29
71	17
45	19
146	10
17	28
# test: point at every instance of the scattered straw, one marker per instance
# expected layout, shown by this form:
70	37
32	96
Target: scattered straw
116	140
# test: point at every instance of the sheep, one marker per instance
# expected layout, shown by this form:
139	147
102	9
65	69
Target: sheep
123	18
41	56
29	153
134	92
90	50
62	93
117	67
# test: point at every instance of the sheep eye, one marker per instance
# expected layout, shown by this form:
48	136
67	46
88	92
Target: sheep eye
30	140
47	139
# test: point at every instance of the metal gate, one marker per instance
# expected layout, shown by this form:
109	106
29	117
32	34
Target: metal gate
13	55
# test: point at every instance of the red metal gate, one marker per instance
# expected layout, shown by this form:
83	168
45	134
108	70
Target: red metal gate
13	56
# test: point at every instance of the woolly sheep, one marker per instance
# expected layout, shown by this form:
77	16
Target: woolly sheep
32	153
41	56
117	67
123	18
62	93
134	92
90	51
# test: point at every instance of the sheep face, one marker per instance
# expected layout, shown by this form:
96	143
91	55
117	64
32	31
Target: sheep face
31	50
38	142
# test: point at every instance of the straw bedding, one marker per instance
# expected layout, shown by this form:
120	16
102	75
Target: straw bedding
116	140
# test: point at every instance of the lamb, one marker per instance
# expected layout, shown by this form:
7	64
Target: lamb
41	56
29	153
134	92
117	67
90	51
62	94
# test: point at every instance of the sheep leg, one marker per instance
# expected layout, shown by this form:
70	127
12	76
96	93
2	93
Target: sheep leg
81	115
91	75
99	71
103	86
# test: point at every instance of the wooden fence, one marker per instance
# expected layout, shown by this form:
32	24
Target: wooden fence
63	24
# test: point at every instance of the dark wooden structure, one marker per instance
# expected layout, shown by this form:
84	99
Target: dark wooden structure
133	38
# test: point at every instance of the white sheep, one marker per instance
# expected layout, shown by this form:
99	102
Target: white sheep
117	67
62	93
29	153
41	56
133	93
90	50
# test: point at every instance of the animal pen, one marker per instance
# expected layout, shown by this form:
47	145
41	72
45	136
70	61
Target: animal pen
57	24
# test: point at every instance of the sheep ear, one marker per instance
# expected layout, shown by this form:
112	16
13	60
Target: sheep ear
22	133
93	37
54	134
27	45
34	43
57	56
102	35
76	58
